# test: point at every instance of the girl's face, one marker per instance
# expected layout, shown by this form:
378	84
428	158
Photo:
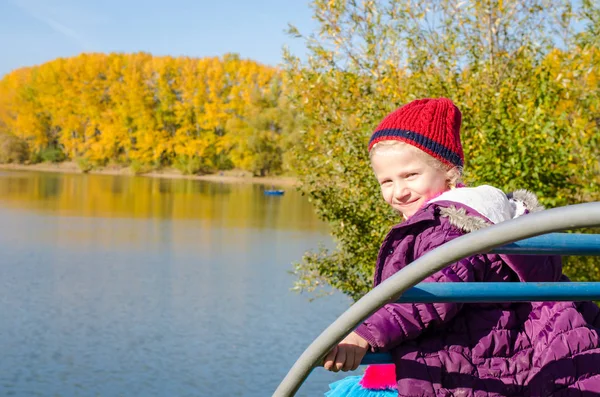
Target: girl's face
407	180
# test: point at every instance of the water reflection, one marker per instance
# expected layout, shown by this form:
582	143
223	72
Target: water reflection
107	196
120	286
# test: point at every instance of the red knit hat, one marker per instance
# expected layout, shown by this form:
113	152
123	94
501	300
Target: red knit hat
432	125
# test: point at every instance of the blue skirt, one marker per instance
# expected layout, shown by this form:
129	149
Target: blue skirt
351	387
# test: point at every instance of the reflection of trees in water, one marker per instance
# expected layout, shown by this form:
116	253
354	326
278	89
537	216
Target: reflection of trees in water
221	204
14	183
216	188
164	185
49	187
117	185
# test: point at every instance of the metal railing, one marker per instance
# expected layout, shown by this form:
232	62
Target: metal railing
507	238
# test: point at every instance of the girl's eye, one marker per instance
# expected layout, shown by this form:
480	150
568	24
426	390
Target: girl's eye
411	175
387	181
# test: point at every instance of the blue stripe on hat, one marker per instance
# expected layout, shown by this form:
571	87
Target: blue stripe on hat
422	141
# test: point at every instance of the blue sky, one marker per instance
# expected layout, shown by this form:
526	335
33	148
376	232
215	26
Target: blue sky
36	31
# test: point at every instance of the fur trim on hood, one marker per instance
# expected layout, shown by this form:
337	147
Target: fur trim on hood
494	206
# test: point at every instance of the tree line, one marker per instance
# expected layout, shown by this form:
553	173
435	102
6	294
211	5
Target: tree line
138	110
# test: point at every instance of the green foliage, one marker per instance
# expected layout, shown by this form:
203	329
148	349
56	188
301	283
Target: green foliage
13	149
84	164
50	154
530	110
267	155
139	168
262	137
581	268
188	165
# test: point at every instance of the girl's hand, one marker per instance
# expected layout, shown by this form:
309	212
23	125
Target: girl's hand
347	355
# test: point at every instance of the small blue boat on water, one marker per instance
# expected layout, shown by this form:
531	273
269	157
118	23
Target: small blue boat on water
274	192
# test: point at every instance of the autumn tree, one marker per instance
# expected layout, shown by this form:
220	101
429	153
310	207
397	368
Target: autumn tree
200	115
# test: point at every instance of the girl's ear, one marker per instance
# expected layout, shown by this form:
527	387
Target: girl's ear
453	176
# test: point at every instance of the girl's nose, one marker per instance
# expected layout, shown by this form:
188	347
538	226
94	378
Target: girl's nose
401	193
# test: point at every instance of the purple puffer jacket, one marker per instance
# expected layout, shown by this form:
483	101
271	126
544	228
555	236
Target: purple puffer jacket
448	349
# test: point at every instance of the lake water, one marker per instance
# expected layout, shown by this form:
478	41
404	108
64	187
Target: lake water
133	286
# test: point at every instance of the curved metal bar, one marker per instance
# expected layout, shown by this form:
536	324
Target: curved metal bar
552	220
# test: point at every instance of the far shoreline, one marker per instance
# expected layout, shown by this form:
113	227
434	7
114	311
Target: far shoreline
233	176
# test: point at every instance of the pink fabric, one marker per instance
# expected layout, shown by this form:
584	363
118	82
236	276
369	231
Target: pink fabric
379	377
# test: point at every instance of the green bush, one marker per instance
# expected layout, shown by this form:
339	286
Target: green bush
50	154
138	168
530	111
189	165
84	164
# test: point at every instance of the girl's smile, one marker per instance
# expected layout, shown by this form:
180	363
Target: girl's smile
406	178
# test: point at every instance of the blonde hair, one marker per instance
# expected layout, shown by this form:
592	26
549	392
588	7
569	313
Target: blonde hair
453	172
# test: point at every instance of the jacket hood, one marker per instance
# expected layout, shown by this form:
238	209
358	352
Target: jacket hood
487	204
471	209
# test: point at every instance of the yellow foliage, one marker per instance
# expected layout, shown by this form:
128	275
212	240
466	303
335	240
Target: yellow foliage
136	107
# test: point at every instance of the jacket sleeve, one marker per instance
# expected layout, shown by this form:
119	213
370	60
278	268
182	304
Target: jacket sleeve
394	323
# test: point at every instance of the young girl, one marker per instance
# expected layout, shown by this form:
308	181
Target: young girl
453	349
